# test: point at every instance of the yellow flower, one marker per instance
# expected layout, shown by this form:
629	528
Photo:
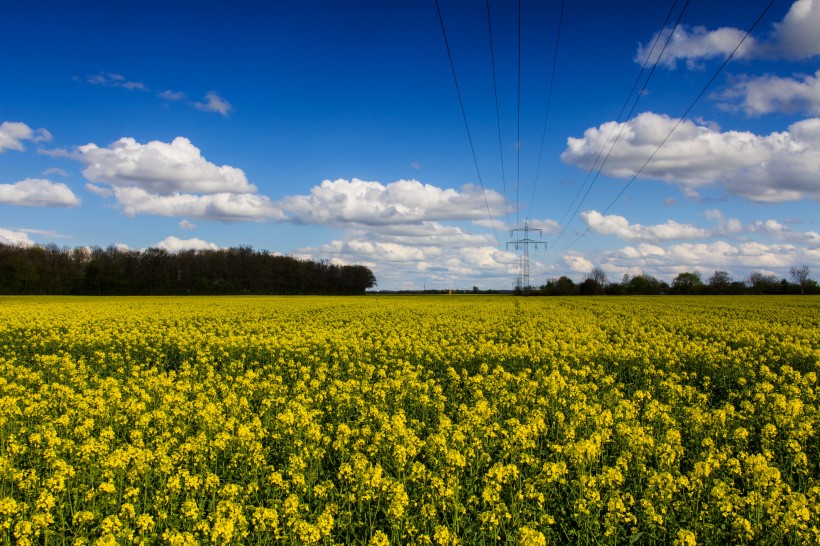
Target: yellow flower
379	539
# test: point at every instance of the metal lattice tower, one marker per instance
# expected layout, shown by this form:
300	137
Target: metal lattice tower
522	247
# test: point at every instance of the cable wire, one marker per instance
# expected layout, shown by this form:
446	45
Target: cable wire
498	114
623	125
518	122
549	102
618	119
466	125
680	120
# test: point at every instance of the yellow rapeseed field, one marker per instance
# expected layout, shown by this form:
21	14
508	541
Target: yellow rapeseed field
409	420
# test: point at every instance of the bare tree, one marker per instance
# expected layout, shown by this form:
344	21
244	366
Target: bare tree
598	275
595	282
800	275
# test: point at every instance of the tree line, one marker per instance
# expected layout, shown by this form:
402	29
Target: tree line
51	270
686	283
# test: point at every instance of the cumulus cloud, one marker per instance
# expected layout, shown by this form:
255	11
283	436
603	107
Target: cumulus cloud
728	245
796	37
621	228
171	179
767	94
403	265
793	38
185	224
695	44
726	226
577	262
781	166
35	192
159	167
427	253
355	201
214	103
11	237
13	133
55	170
174	244
223	206
782	232
738	258
109	79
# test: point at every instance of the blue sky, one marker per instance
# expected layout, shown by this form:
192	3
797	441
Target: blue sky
333	131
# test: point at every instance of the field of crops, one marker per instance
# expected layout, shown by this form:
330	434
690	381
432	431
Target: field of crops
424	420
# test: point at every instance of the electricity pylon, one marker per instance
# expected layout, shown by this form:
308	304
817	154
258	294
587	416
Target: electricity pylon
522	247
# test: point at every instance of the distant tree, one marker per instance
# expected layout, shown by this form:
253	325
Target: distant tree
595	282
646	285
760	283
687	283
719	282
598	275
590	287
616	289
113	271
800	275
562	286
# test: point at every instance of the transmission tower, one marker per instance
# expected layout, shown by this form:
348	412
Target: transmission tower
522	247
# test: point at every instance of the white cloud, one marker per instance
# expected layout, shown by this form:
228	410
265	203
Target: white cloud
696	44
781	166
174	244
620	227
728	245
214	103
159	167
782	232
50	234
795	37
55	170
726	226
408	266
227	207
10	237
34	192
185	224
109	79
547	227
577	263
172	95
171	179
739	258
429	253
767	94
13	133
344	202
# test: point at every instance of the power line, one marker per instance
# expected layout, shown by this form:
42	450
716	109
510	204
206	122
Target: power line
497	113
618	119
623	125
466	125
518	121
549	102
680	120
